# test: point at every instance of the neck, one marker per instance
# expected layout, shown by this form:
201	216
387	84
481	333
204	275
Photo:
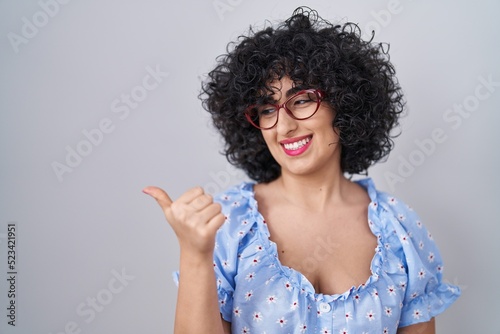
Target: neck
314	192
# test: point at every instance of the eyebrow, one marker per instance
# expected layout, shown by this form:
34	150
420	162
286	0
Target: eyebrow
288	93
292	91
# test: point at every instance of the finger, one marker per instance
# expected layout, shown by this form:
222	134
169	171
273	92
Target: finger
201	202
190	195
209	212
217	221
159	195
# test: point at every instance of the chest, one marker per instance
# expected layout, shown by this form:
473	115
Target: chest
333	251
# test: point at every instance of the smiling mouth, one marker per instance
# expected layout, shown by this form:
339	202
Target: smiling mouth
297	144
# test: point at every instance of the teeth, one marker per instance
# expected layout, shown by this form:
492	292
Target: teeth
296	145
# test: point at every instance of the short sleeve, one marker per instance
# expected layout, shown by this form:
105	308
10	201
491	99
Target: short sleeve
426	295
237	209
225	263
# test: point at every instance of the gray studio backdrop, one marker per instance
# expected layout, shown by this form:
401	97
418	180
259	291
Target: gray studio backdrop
99	99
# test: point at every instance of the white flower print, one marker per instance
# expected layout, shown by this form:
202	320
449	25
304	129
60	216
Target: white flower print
370	315
417	314
248	295
294	305
421	245
404	239
237	311
401	267
255	261
288	286
391	290
258	248
429	235
269	280
392	201
401	217
414	295
257	316
421	274
325	331
430	258
356	298
241	234
236	204
303	328
245	330
386	330
225	264
439	268
419	224
343	331
226	198
375	294
250	276
387	246
388	311
348	316
244	222
281	321
402	285
227	219
271	299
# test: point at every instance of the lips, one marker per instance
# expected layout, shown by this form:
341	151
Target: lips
296	146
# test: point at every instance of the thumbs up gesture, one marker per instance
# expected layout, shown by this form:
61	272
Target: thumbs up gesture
194	217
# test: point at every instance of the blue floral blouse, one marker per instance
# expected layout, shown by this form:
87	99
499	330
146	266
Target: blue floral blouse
258	294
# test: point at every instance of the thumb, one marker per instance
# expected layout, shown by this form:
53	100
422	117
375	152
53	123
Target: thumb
159	195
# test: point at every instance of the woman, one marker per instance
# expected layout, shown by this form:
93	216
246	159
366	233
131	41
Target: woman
304	249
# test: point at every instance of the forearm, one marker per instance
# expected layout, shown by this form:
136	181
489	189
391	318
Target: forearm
197	302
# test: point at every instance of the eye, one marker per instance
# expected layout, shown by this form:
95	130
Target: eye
302	100
266	111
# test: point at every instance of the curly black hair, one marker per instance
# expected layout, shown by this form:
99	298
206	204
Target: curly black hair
356	76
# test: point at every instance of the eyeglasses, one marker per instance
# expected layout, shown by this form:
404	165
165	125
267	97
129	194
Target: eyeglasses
300	106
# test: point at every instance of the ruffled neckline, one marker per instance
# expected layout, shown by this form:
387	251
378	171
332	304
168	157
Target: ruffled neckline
295	277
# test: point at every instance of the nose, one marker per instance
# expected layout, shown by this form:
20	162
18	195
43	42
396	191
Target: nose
286	123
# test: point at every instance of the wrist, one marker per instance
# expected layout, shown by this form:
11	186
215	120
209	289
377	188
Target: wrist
195	258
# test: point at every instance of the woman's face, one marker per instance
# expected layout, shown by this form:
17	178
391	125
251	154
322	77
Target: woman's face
317	147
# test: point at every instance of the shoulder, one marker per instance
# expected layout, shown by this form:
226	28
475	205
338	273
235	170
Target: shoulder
241	190
240	210
384	205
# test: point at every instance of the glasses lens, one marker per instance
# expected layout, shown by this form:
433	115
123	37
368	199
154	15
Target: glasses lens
303	105
262	116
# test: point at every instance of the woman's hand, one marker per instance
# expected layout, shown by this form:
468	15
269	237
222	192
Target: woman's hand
194	217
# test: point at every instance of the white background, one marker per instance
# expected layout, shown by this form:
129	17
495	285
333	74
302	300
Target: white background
74	231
